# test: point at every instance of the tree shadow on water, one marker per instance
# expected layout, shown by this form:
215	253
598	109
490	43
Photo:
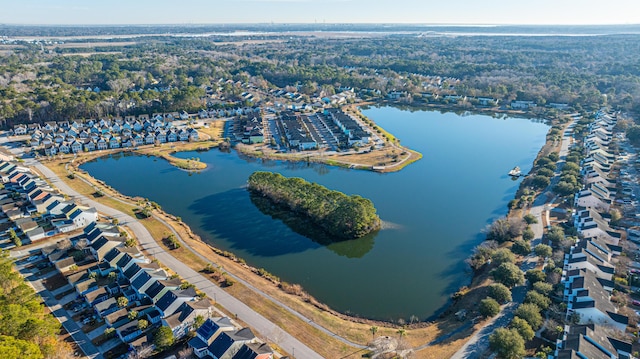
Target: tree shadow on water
247	222
355	248
232	216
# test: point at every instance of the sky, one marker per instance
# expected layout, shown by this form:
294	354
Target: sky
88	12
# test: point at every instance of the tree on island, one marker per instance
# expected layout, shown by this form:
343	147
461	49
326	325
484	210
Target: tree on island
340	215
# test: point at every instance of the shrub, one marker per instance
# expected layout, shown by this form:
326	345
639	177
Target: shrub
500	293
489	307
508	274
540	300
503	255
530	313
521	247
523	328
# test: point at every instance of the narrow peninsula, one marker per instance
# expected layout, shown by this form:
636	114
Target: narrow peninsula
342	216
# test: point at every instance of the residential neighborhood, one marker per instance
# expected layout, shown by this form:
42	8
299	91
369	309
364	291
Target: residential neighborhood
32	210
591	273
91	135
116	294
120	297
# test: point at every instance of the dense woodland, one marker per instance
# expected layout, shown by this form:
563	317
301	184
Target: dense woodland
26	330
342	216
35	85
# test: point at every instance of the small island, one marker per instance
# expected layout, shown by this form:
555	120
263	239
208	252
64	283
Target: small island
341	216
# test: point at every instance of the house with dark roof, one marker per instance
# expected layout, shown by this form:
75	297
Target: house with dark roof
117	318
591	223
207	333
146	276
254	351
171	301
228	344
592	342
587	296
124	256
129	331
96	296
102	245
590	258
183	319
156	290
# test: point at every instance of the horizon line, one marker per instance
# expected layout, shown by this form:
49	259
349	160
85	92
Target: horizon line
317	23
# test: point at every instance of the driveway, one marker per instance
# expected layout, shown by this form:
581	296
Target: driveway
62	315
256	321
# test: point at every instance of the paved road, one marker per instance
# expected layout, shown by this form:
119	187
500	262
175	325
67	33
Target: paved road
233	305
479	342
61	314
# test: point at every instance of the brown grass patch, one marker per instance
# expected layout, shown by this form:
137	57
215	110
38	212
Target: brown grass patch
356	331
214	130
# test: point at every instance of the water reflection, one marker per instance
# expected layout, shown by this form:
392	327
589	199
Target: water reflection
233	216
355	248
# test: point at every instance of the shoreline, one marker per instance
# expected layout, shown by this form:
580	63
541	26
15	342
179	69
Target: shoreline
442	315
242	150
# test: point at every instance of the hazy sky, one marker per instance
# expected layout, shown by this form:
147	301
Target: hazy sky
309	11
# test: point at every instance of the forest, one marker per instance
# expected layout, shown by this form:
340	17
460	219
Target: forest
342	216
27	331
168	73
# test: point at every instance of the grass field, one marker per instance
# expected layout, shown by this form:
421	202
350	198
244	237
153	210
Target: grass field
355	330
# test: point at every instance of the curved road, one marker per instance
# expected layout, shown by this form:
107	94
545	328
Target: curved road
254	320
478	343
240	280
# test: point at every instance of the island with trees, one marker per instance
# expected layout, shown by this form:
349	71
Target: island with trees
340	215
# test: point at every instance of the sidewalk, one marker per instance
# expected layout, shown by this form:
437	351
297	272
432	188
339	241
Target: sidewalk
63	316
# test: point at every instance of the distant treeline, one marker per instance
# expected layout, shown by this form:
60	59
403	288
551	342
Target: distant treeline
342	216
169	74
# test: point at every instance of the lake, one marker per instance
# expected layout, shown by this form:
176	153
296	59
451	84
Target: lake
435	210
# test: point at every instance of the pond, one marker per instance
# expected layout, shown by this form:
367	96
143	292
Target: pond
434	210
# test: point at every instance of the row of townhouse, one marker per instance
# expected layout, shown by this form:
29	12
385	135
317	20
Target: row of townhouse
589	267
107	134
356	134
75	145
102	269
228	112
112	125
121	125
600	186
33	210
248	129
